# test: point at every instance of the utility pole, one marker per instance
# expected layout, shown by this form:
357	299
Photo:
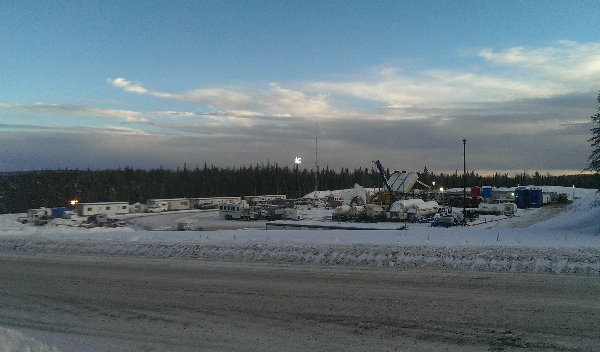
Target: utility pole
465	181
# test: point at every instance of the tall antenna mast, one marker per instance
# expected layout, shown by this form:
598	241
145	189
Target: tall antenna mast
316	158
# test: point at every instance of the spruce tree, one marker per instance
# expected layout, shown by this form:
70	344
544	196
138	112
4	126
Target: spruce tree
594	158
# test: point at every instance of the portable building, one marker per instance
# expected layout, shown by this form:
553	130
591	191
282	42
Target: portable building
210	202
508	209
108	208
264	198
172	204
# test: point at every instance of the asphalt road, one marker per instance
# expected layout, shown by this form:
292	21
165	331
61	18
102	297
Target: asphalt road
102	303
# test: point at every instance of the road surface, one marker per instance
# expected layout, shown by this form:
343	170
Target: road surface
110	303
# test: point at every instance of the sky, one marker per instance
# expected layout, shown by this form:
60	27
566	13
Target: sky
150	84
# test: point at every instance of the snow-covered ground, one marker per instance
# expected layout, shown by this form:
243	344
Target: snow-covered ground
551	239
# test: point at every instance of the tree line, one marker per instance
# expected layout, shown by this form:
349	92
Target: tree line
54	188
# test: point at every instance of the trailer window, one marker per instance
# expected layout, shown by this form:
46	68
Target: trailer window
89	209
107	208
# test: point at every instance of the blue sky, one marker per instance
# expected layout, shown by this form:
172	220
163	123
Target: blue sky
148	84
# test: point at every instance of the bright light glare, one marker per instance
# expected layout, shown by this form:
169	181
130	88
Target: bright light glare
298	160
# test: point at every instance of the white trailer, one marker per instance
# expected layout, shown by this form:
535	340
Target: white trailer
172	204
213	202
509	209
108	208
264	198
239	211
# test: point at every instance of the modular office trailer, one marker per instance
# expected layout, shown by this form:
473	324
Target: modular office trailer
173	204
108	208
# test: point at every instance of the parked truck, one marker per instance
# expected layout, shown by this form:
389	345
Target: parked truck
38	216
158	207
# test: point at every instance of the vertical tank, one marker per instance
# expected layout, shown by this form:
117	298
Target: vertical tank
487	191
536	199
522	197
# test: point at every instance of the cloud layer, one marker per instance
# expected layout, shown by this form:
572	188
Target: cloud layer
519	108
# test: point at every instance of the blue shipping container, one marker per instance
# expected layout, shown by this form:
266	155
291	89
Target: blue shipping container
58	212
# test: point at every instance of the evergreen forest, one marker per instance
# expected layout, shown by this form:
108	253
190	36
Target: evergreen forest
20	191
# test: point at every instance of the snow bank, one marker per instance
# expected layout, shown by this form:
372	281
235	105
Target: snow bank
566	243
582	216
584	260
14	341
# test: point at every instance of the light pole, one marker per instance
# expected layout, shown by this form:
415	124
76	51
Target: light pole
465	181
297	163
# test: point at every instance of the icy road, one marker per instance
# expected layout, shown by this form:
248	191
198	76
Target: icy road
526	283
88	303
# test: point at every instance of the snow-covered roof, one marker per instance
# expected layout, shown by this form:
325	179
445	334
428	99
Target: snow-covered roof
402	182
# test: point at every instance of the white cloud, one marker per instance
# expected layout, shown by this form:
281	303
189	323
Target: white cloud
279	100
123	131
274	100
563	68
568	63
127	116
127	86
214	97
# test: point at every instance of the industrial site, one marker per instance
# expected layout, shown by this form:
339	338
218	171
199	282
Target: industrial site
401	199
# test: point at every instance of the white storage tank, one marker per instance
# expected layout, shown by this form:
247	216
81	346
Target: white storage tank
423	210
